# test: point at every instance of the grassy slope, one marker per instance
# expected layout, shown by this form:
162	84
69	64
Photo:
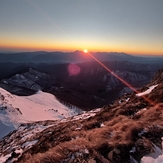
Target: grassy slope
127	129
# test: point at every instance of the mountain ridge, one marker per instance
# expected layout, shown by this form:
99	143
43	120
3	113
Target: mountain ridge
130	130
96	84
73	57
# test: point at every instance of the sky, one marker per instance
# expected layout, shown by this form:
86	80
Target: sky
130	26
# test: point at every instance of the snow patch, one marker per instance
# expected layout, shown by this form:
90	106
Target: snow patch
147	91
142	132
127	99
4	158
29	143
133	150
156	157
102	125
83	115
33	130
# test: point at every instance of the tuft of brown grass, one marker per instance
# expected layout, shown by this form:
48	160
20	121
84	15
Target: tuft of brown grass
153	115
57	153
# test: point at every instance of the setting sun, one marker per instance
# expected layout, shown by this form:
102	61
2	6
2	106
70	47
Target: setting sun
85	51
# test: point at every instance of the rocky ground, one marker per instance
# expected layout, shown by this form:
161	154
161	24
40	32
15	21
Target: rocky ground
128	131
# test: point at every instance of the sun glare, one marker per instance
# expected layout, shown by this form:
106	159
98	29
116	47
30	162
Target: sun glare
85	51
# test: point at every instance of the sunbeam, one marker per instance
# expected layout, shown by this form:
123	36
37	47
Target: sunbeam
122	80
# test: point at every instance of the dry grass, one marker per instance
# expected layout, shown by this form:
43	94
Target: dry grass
153	115
157	94
133	123
119	133
57	153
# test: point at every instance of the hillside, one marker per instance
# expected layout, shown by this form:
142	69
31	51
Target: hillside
15	110
129	131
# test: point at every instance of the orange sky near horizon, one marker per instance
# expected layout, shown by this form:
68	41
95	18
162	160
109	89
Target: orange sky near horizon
20	47
133	27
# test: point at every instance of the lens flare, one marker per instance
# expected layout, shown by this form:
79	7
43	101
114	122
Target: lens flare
122	80
73	69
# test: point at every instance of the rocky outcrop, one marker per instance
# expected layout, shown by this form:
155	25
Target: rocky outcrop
27	83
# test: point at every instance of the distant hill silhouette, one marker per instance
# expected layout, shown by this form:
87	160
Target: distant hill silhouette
76	56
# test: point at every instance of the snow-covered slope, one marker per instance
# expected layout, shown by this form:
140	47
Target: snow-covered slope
29	134
15	110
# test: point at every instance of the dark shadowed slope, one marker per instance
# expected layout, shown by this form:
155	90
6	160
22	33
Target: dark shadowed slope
5	129
90	88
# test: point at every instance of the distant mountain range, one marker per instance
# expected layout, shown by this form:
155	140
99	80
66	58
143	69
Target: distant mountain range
74	57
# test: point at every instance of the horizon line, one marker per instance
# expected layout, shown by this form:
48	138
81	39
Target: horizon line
62	51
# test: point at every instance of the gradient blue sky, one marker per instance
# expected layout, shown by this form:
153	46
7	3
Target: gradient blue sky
131	26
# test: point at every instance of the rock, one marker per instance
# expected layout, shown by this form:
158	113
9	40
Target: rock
92	161
110	155
116	150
